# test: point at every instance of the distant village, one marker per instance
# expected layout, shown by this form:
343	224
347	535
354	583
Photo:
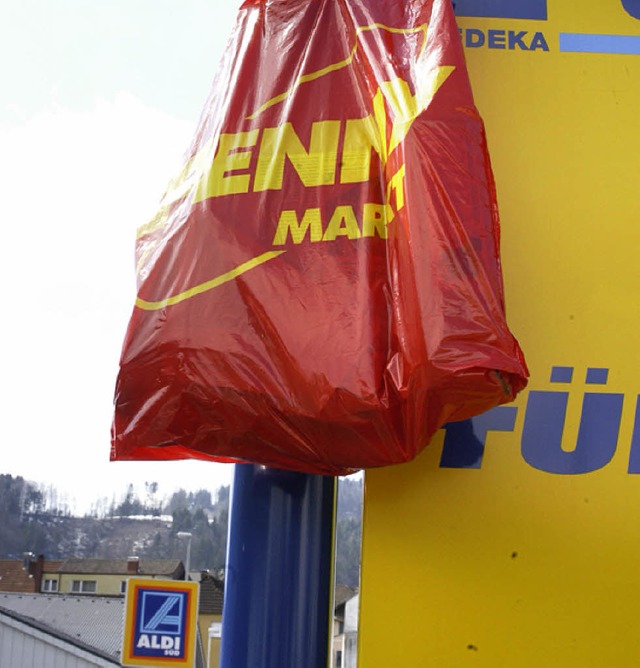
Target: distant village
65	599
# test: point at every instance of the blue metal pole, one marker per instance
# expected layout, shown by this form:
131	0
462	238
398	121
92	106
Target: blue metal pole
278	584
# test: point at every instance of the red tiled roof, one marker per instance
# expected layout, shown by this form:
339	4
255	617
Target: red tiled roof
52	566
342	594
168	567
15	578
211	595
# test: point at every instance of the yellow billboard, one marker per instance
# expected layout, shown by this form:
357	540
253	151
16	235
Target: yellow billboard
514	539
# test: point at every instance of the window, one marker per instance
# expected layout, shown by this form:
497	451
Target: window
83	586
123	586
49	585
338	659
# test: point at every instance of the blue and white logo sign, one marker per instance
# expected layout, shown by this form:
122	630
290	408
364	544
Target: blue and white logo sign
160	624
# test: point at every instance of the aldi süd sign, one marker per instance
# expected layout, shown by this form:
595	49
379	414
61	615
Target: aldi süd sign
160	623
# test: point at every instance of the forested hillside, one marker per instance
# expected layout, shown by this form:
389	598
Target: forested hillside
147	525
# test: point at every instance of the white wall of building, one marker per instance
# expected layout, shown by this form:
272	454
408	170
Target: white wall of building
23	646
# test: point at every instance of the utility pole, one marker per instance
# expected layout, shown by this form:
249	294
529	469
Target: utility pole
188	535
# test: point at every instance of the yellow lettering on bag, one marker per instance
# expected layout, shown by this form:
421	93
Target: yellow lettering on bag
231	170
230	157
288	224
342	223
361	136
395	186
315	167
375	218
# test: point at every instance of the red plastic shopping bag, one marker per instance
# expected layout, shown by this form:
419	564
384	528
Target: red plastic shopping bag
321	287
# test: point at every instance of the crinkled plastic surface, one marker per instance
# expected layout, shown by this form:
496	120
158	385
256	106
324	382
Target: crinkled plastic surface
321	287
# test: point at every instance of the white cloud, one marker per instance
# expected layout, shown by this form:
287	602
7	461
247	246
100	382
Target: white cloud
75	186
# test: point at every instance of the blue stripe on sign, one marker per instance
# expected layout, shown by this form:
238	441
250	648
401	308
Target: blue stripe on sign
585	43
502	9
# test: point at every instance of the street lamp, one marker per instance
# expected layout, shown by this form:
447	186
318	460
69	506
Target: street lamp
189	536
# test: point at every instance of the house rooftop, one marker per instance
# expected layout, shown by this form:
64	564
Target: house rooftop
342	594
15	577
92	623
211	594
165	567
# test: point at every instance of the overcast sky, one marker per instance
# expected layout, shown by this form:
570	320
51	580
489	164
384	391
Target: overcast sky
98	101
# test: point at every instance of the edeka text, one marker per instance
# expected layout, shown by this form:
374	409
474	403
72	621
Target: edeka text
511	40
542	443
